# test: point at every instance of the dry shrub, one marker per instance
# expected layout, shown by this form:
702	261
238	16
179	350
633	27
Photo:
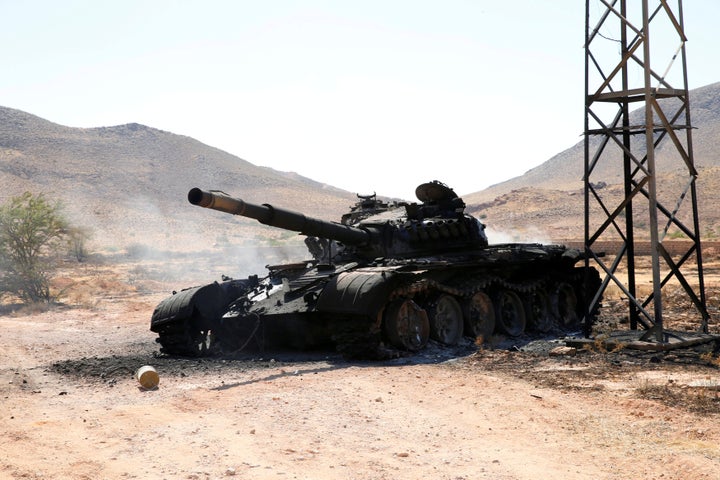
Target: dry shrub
81	290
139	306
82	297
710	359
600	345
695	399
34	308
110	285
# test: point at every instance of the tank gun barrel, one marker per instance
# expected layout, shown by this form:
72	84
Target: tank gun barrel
279	217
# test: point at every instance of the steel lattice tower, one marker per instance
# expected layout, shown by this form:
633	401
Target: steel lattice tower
648	149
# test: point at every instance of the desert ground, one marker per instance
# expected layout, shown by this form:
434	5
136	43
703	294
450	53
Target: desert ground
73	409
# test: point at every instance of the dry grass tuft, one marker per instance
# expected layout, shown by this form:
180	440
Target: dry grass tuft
601	345
710	359
32	309
703	400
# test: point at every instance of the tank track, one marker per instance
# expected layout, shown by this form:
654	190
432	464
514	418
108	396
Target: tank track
355	337
183	338
361	339
466	287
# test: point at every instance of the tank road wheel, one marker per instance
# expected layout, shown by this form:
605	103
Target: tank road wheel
539	311
565	305
446	319
406	325
479	316
509	312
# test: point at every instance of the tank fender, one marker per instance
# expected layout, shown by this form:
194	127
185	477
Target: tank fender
362	291
207	299
210	301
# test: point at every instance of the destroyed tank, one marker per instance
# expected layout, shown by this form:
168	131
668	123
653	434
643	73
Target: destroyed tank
384	280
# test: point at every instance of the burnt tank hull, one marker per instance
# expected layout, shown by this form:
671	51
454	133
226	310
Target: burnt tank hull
399	280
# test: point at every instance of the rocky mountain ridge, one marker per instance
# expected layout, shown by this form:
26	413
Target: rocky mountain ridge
129	182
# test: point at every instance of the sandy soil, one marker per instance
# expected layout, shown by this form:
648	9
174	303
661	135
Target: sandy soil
72	408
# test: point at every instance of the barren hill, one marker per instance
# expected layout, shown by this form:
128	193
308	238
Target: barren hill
128	183
546	202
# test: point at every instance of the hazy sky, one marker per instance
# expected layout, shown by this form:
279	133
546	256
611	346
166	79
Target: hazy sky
365	95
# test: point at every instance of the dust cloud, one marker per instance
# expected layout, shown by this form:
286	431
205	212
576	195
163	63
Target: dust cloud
527	235
185	246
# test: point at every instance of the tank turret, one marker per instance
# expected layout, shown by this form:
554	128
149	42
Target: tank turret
438	225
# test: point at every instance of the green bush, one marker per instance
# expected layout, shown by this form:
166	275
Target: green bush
32	231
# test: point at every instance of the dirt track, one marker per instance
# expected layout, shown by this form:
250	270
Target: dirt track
71	409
